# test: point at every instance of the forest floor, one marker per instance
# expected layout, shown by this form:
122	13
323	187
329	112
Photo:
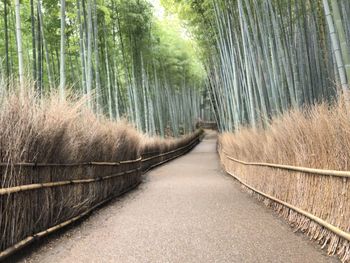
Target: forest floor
185	211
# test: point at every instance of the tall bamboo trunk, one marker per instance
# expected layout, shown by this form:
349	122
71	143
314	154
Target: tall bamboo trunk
337	52
82	49
32	20
345	50
97	61
63	49
40	32
89	52
19	44
109	85
6	41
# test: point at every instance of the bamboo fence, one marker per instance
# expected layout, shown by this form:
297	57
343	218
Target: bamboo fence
314	201
52	201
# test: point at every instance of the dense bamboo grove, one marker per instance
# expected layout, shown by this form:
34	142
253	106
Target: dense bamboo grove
281	57
266	57
132	64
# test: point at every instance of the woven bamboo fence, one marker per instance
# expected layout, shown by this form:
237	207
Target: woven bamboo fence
313	201
55	195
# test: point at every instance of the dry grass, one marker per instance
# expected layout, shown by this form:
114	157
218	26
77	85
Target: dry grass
160	145
318	138
156	147
55	132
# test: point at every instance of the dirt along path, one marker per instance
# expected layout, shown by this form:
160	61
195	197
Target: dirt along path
186	211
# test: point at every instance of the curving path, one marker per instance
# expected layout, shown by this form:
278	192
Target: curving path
186	211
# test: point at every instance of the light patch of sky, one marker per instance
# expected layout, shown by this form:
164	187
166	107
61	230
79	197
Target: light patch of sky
161	14
159	10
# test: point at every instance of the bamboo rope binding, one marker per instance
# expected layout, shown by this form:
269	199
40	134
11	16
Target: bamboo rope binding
312	217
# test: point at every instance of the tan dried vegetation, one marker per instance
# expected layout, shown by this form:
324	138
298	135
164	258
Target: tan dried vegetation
318	137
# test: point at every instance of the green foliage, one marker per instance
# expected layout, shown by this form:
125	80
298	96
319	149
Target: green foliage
176	53
199	16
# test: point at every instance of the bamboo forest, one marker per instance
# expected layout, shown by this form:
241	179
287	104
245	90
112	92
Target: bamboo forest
174	130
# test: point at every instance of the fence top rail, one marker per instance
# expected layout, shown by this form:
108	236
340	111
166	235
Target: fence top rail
27	187
33	164
190	139
336	173
172	151
21	188
70	164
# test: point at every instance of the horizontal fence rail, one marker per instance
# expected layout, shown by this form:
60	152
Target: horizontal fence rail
170	152
28	187
345	174
318	220
129	179
294	168
70	164
145	161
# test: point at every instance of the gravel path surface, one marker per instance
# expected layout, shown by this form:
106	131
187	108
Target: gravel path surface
186	211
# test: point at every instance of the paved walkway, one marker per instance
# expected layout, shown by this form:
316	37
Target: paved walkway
186	211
